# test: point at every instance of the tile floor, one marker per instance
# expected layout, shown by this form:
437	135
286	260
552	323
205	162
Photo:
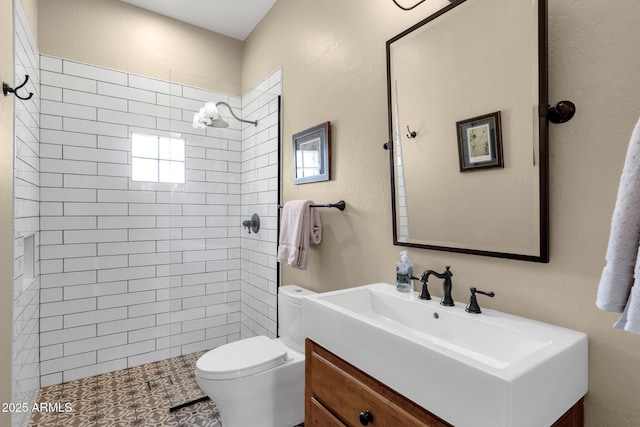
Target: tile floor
138	396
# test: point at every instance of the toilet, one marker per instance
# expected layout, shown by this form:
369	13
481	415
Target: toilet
259	381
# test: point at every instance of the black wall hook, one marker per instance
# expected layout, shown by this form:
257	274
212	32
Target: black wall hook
411	134
6	89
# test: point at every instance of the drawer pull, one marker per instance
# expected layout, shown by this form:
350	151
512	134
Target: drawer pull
366	417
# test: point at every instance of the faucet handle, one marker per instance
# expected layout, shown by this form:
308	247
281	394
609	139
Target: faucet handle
424	292
472	305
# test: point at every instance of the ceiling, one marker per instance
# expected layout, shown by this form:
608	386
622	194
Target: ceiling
233	18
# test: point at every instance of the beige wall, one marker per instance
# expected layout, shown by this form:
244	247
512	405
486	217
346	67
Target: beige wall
116	35
333	59
6	207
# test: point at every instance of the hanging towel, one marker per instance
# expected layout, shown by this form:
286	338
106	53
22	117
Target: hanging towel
299	226
619	288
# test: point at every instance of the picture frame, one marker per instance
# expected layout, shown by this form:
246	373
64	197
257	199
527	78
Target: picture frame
480	142
312	154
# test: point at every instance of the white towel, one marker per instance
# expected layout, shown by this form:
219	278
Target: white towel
618	290
299	226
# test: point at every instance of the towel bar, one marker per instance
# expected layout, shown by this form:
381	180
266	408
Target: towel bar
339	205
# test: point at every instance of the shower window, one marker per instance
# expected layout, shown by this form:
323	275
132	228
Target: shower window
157	159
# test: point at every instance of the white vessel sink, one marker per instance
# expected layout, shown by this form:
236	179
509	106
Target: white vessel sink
490	369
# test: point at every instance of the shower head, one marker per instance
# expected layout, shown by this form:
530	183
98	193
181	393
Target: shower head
209	116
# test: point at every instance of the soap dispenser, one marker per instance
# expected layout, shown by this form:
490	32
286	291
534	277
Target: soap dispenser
404	273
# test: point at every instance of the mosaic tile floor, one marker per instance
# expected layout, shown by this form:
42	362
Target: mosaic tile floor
137	397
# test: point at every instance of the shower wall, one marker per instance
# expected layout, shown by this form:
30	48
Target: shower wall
133	271
259	189
26	281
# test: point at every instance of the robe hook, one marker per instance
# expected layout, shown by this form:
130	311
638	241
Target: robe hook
6	89
411	134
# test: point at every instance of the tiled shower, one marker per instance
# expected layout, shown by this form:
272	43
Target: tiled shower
129	272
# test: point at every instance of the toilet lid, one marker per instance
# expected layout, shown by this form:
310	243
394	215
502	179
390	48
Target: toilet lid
241	358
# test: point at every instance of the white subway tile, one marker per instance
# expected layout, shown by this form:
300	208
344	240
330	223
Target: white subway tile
64	307
94	290
123	248
221	331
152	109
95	369
154	234
95	154
52	136
51	237
64	363
153	356
112	169
68	82
51	352
93	72
74	209
149	333
117	274
94	236
126	222
114	143
92	127
155	209
62	279
92	344
94	182
67	223
207	255
124	325
204	278
68	166
147	284
65	335
50	151
56	108
126	350
94	100
67	251
51	209
94	317
180	221
95	263
119	91
50	63
203	301
149	259
50	295
112	116
126	196
50	122
149	308
126	300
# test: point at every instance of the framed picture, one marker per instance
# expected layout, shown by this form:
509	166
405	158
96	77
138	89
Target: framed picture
311	154
480	142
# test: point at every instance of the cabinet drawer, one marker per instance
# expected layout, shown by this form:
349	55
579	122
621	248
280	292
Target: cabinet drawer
319	416
346	392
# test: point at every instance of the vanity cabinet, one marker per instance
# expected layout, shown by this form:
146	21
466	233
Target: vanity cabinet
337	394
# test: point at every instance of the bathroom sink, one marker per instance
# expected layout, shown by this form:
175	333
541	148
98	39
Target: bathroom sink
489	369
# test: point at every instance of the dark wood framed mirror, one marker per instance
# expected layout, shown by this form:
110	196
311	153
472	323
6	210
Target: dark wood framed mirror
470	59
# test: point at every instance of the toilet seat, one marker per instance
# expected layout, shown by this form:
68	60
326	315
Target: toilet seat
241	358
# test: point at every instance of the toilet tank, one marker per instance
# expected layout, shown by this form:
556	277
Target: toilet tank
290	320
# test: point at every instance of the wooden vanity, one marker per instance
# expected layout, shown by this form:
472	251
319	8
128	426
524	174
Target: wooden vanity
337	394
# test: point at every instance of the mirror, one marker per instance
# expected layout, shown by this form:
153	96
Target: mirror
449	78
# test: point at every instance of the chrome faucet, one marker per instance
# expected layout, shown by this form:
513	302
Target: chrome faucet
447	285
